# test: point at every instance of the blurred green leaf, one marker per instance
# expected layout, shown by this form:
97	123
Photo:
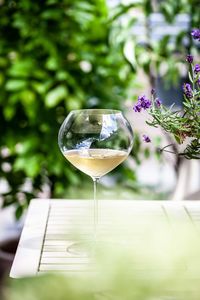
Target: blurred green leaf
1	78
9	112
30	167
73	103
52	63
147	153
15	84
27	97
55	96
3	62
21	68
18	212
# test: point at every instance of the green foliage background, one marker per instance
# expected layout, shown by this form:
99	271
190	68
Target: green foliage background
55	56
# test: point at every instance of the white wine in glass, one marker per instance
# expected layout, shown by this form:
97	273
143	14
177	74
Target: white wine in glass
95	141
95	162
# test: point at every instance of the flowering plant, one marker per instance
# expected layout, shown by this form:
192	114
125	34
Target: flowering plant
180	123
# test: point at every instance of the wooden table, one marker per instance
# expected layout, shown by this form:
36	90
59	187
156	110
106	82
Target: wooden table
47	232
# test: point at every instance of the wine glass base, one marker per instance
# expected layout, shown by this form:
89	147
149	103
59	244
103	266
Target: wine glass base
89	248
82	249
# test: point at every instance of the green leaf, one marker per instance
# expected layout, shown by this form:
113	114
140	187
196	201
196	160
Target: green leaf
187	104
42	87
146	153
129	52
190	77
31	166
27	97
20	164
147	7
19	211
168	12
28	145
53	14
2	77
21	68
73	103
52	63
3	62
56	95
9	112
15	84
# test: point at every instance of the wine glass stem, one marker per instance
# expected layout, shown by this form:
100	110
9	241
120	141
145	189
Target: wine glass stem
96	212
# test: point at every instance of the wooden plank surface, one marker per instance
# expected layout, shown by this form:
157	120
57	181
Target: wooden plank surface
27	258
51	226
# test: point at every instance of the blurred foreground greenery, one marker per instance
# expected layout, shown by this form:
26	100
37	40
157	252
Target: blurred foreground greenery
163	264
55	56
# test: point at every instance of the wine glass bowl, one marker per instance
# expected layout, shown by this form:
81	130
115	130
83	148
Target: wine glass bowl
95	141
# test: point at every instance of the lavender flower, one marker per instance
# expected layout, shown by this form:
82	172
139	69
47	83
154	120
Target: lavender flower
158	102
146	138
196	34
198	82
189	58
153	91
187	90
197	68
143	103
137	107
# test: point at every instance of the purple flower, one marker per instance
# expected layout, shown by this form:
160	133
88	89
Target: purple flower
137	107
189	58
158	102
196	34
197	68
187	90
143	103
146	138
153	91
198	82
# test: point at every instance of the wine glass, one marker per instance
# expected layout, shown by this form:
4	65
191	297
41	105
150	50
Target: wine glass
95	141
